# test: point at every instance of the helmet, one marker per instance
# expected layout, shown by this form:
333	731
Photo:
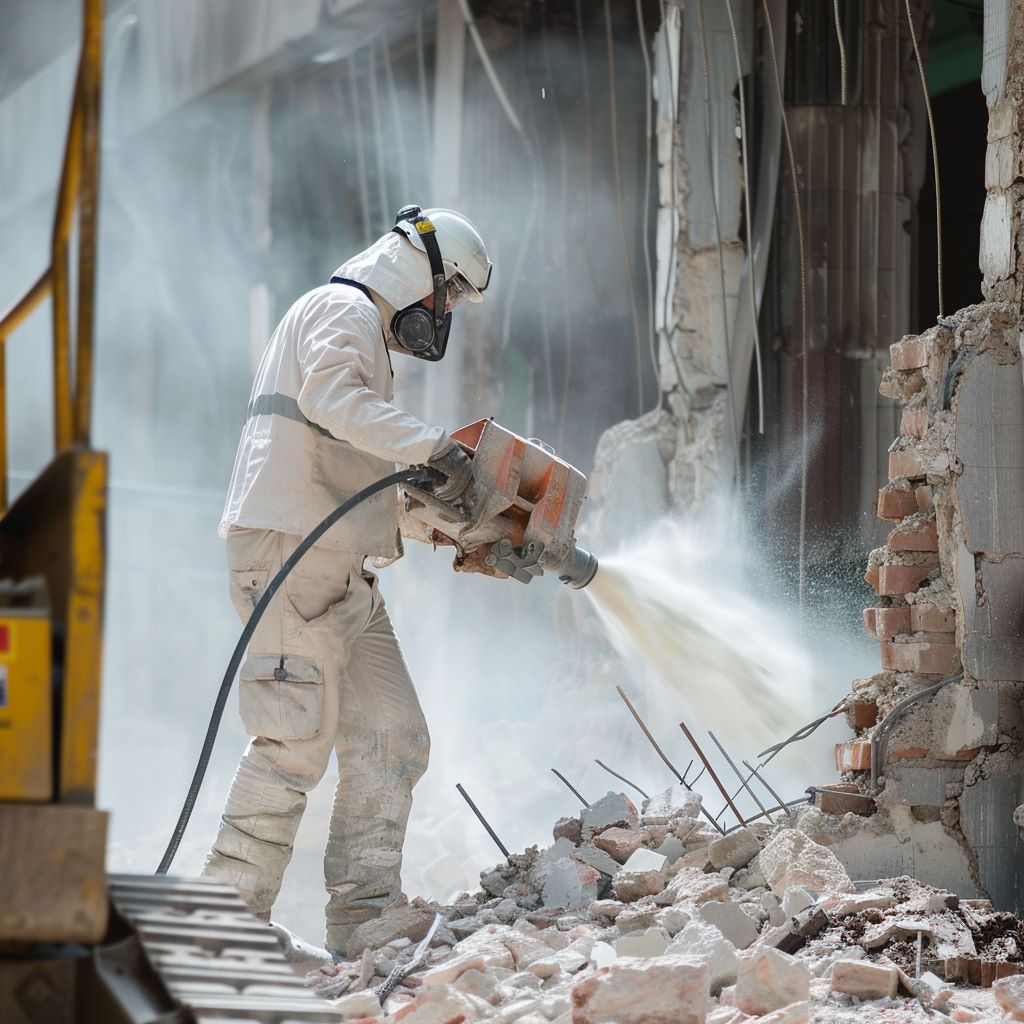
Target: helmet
462	249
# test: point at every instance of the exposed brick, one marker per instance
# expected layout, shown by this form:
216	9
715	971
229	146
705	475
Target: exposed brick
925	658
842	798
870	621
930	618
871	577
906	463
904	753
923	496
910	353
918	537
890	622
900	579
894	504
901	384
914	423
853	756
861	714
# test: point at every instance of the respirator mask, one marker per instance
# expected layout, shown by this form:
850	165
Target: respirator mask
421	331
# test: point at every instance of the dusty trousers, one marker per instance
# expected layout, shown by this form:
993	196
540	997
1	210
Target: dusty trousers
324	672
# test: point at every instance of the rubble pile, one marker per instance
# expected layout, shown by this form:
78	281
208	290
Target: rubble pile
656	917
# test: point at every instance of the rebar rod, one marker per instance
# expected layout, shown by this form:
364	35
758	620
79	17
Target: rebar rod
572	789
647	733
779	807
711	771
686	770
745	784
483	821
686	785
760	778
622	778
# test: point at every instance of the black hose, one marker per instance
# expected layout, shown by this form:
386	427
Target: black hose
416	474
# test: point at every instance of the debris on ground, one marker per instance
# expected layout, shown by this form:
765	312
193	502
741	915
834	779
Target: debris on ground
656	917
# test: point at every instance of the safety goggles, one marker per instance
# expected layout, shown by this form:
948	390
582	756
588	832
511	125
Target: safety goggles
459	291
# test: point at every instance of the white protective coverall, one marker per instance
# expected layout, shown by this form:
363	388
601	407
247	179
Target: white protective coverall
324	669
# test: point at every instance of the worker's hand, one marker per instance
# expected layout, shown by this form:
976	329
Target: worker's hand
457	468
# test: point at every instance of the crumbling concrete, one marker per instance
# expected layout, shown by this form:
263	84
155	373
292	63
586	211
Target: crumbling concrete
675	953
950	579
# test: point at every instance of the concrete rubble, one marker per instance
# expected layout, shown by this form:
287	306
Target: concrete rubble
779	934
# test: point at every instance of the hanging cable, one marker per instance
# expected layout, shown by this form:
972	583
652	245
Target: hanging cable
745	157
613	126
646	208
712	182
804	378
842	52
935	157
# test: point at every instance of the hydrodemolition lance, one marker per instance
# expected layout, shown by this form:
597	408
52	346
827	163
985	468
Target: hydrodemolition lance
517	518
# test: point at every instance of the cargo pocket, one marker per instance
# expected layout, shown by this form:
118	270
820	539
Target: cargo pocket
281	704
247	587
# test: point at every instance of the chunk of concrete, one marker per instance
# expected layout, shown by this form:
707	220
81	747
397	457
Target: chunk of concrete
443	1004
772	907
690	885
620	843
735	850
669	990
483	950
769	980
611	809
796	899
702	941
795	1013
356	1006
589	853
568	828
1009	993
570	884
733	922
672	919
649	943
644	874
843	904
404	920
674	802
791	858
864	980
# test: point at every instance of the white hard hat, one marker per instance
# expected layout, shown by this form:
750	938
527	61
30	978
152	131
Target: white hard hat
462	249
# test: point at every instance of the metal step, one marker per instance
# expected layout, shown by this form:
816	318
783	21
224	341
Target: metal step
217	959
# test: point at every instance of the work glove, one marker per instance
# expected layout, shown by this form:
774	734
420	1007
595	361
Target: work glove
457	468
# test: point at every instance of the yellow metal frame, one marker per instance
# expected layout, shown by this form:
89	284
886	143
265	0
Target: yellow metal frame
79	190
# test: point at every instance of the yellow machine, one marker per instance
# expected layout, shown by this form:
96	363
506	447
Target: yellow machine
78	946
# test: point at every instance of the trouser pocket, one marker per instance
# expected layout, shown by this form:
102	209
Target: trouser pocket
281	702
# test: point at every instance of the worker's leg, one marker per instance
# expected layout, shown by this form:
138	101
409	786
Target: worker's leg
311	622
382	747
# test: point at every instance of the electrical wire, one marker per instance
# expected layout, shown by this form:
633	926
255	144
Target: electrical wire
646	208
709	148
613	127
935	157
415	474
805	347
745	157
842	52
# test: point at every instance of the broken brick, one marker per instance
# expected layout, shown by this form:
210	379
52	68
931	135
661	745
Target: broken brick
901	579
883	623
864	980
861	714
923	496
896	503
930	618
853	756
842	798
901	385
910	353
906	463
914	423
926	658
914	537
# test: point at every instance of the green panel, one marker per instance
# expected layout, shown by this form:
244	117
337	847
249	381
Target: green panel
954	48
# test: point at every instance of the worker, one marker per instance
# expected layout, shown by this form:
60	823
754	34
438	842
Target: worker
324	670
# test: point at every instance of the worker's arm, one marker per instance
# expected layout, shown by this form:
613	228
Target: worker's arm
336	350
